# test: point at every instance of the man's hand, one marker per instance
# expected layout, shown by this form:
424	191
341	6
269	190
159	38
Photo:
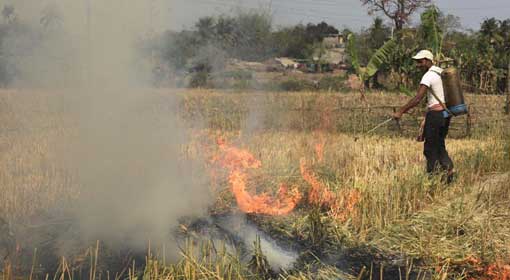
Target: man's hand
397	115
422	91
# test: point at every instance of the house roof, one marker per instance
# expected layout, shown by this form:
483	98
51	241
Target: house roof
285	61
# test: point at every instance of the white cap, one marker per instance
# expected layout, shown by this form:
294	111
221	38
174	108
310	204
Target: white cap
424	54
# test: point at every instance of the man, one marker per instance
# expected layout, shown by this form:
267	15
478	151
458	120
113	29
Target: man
436	121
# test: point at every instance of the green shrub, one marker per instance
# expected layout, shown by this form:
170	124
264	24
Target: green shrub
238	79
332	83
294	84
242	84
239	75
199	79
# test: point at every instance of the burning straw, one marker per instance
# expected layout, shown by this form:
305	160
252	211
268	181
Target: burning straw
238	162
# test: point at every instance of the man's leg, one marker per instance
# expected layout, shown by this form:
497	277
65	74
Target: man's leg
444	158
431	147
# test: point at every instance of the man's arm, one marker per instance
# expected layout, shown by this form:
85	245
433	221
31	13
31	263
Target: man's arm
422	91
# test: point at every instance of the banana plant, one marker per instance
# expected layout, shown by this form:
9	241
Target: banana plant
379	58
353	54
432	33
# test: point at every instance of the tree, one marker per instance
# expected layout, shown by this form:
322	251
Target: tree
178	48
399	11
205	28
300	41
9	13
449	23
252	35
291	42
317	32
378	33
493	46
51	17
431	32
224	31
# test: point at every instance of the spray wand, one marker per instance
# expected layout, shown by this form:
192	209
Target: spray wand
375	128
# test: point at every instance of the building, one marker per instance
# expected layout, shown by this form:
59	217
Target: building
333	41
332	55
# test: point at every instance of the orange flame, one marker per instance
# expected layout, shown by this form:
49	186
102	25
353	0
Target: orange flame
318	193
498	272
341	206
319	147
264	203
344	206
319	150
237	161
495	271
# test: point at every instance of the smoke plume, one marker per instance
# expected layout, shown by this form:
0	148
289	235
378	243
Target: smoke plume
124	149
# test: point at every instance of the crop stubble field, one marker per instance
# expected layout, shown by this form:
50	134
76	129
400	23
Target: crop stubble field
456	232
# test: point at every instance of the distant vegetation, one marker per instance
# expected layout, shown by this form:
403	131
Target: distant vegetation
482	55
247	36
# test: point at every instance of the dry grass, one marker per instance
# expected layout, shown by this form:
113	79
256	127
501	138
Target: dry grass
401	209
33	180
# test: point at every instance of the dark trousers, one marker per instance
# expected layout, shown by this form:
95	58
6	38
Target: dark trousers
435	131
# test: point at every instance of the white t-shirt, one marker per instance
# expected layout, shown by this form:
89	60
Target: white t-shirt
432	80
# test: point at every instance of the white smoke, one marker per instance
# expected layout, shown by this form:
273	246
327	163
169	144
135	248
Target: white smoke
278	258
135	183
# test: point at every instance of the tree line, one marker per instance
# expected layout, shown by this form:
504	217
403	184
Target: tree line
249	36
482	55
383	49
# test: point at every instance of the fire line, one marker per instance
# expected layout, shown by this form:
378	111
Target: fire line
237	162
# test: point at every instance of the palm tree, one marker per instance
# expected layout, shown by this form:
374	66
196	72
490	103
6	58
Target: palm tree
205	28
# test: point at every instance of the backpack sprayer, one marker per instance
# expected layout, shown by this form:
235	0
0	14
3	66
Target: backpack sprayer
454	98
454	105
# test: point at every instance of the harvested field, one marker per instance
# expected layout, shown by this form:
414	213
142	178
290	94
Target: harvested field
356	206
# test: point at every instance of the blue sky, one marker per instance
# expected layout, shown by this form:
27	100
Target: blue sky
340	13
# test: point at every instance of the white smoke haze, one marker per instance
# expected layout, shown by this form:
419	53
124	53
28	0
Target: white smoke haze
135	184
279	259
81	38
